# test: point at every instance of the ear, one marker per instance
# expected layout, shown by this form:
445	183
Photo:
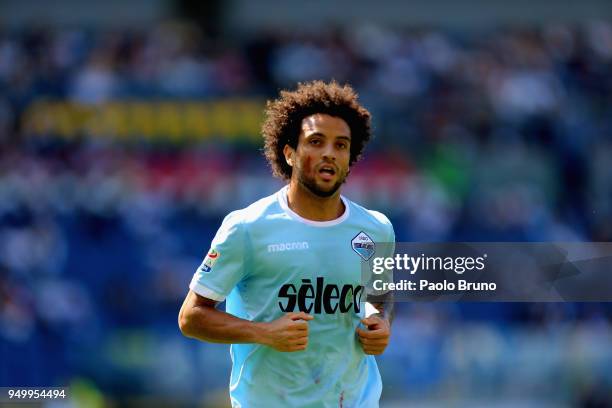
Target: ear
288	151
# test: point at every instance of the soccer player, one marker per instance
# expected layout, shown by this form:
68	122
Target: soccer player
290	266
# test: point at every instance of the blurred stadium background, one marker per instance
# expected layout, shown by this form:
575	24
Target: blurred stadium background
128	130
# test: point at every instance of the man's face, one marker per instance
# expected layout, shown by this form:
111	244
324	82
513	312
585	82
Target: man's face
321	161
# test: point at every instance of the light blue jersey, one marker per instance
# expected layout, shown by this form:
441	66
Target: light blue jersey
267	260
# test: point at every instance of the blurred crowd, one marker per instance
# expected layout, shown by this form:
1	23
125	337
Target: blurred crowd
501	135
495	135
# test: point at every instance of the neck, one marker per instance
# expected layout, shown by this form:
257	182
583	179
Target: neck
312	207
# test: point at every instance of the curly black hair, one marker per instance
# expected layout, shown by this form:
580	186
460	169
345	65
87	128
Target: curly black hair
283	119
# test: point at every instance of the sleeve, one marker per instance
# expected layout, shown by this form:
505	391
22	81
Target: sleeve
224	266
388	251
391	240
374	268
387	247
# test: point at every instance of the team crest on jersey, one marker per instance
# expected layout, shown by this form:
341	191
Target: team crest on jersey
363	245
210	260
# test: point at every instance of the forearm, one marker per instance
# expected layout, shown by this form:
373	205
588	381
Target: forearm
215	326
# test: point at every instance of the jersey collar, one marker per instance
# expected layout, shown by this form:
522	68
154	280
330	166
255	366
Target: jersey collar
282	199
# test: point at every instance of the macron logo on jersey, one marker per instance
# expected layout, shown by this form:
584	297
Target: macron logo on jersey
288	246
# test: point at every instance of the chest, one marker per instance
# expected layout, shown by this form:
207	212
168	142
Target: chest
290	255
294	267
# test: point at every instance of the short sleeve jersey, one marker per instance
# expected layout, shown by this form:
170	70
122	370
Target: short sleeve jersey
267	261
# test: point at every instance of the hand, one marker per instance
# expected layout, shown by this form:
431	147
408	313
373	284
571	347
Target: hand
287	333
376	338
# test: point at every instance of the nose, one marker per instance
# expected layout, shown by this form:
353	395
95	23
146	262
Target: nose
329	153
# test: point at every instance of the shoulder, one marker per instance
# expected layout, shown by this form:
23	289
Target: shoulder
259	210
237	224
373	220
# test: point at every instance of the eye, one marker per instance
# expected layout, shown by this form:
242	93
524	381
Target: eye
315	142
342	146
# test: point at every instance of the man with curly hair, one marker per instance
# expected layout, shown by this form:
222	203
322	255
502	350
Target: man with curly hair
290	266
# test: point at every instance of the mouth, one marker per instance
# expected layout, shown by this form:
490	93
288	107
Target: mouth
327	172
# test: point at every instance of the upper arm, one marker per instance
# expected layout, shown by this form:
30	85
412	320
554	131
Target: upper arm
194	300
224	265
193	304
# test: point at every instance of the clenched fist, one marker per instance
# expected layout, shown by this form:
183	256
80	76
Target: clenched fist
287	333
375	339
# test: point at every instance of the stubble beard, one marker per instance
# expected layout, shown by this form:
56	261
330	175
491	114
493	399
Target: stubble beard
311	185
